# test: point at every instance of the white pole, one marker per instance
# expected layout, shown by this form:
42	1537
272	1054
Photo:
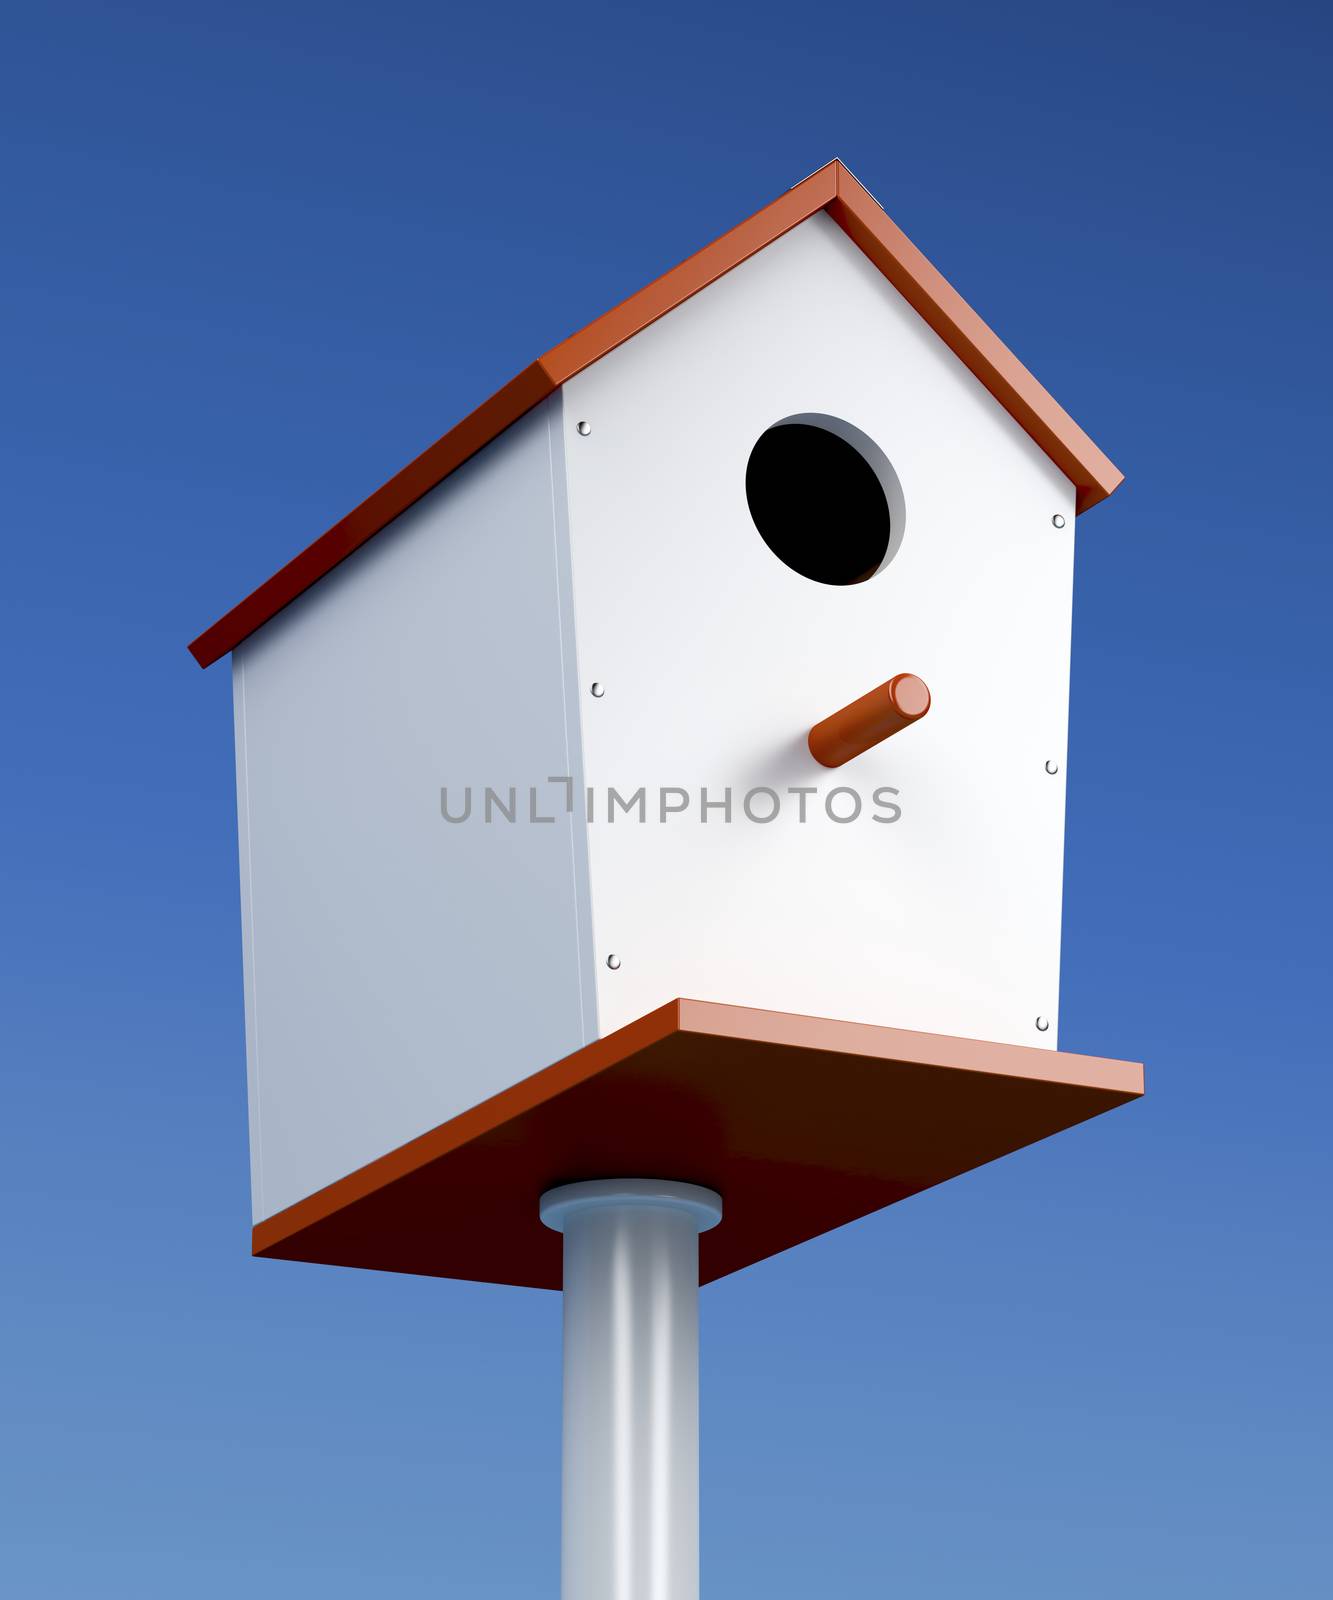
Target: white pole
630	1519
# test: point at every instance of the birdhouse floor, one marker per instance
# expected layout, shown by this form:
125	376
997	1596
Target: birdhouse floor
800	1123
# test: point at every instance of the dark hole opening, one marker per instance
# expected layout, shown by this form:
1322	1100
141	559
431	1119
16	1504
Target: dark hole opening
818	504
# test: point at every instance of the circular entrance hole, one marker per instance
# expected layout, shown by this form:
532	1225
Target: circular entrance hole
820	502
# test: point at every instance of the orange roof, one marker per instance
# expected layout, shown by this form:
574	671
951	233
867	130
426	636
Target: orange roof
832	189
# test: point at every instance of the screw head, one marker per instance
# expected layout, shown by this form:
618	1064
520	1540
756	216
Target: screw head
613	962
1052	767
1043	1023
598	690
585	428
1057	521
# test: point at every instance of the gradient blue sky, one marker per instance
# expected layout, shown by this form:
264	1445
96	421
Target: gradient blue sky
256	256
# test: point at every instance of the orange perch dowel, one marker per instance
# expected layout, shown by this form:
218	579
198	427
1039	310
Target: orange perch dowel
895	705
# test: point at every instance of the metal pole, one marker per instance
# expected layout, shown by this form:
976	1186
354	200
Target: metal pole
630	1477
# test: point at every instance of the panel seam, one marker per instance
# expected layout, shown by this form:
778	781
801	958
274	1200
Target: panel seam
568	658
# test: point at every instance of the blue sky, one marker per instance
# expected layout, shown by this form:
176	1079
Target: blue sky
258	256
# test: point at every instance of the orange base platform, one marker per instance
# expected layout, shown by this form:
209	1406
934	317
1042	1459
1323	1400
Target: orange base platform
801	1123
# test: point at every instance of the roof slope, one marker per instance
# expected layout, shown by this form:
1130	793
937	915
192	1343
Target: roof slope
832	189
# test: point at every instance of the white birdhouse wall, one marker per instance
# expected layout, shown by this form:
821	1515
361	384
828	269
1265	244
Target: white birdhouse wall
717	658
401	967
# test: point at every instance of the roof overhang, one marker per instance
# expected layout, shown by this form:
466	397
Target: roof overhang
832	189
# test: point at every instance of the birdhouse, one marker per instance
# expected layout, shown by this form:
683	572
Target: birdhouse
665	773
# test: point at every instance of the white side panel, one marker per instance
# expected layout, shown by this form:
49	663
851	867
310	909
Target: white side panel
717	659
400	968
